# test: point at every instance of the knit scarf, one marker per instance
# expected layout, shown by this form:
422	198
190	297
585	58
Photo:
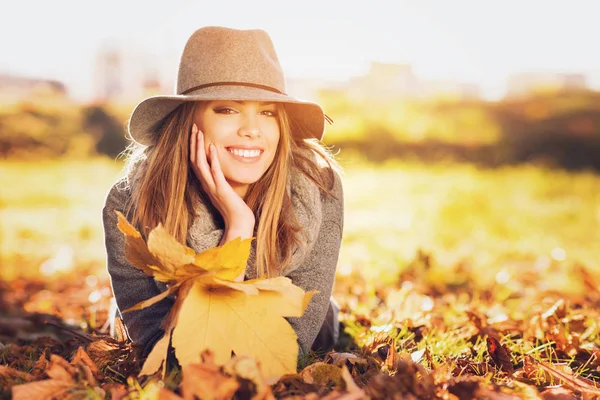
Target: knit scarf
206	230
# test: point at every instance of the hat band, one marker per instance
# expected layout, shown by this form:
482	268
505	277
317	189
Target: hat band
253	85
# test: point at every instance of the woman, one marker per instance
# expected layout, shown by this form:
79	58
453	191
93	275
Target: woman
231	155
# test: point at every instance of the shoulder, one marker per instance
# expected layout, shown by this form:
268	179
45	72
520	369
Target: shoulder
333	199
117	197
333	180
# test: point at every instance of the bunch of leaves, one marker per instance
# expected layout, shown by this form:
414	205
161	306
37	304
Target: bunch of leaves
211	310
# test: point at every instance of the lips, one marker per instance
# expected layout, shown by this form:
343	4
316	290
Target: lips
245	152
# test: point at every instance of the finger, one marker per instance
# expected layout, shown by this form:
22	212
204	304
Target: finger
193	139
202	163
215	166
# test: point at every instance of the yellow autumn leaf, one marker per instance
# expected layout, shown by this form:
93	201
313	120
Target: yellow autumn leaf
218	317
155	299
136	251
211	311
227	261
171	254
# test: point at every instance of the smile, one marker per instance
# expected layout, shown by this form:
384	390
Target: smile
245	155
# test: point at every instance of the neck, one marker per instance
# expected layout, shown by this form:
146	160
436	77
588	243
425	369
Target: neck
240	188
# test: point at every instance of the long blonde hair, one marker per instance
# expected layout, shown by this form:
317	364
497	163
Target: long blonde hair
168	188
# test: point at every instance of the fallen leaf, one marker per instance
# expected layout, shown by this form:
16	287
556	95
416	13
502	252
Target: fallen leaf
223	319
82	357
48	389
248	368
206	381
39	368
213	312
8	376
570	380
323	374
558	393
500	355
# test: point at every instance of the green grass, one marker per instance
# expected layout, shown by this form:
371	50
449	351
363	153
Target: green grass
491	220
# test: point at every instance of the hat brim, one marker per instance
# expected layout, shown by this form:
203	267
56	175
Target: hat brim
307	119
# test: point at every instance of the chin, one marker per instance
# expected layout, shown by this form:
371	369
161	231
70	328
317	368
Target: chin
244	179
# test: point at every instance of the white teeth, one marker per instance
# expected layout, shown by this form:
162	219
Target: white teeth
245	153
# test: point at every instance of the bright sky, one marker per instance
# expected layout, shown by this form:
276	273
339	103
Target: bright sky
474	41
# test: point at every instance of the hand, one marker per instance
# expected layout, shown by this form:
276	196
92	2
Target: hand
239	218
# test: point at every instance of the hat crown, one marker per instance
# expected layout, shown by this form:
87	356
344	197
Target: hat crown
217	55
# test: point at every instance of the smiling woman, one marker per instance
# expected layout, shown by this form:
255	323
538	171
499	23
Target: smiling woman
231	155
245	136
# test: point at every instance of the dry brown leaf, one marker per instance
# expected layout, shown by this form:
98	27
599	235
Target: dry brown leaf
63	377
500	355
117	391
48	389
569	380
558	393
59	369
82	357
205	381
120	331
322	374
39	368
106	350
248	368
8	376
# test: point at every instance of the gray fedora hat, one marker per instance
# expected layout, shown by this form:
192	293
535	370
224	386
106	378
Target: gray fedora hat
227	64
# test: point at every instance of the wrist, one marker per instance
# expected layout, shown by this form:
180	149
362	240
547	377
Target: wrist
237	231
240	223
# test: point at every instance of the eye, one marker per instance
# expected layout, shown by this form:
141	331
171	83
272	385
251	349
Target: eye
269	113
224	110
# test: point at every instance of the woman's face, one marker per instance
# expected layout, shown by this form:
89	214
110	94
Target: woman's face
245	134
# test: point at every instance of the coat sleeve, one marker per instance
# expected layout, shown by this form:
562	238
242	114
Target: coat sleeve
130	285
317	272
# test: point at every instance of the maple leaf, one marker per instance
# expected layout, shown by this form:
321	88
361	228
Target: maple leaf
211	311
224	319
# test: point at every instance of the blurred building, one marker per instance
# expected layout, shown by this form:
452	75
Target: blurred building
526	83
385	81
311	88
449	90
15	88
108	77
127	76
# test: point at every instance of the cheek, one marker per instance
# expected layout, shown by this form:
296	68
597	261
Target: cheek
273	135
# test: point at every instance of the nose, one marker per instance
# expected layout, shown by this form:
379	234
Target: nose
250	126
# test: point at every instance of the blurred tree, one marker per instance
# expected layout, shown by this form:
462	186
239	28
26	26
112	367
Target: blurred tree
107	131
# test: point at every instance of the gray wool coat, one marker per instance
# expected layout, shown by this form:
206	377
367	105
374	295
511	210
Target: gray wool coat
313	265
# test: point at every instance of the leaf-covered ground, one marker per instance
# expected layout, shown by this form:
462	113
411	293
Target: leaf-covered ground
453	283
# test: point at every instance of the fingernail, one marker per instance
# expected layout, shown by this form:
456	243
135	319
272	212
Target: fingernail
194	129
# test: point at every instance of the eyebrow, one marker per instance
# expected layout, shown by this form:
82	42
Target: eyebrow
242	102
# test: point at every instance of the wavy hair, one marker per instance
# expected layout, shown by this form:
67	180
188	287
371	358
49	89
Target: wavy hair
167	187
